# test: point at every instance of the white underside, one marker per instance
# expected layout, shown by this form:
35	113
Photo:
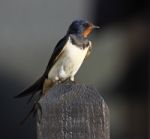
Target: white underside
68	63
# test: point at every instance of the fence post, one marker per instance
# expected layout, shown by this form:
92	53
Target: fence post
73	111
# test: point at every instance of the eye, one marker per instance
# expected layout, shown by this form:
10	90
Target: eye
86	25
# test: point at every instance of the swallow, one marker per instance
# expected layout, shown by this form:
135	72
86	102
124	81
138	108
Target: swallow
66	59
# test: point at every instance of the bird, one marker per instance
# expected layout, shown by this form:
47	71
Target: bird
67	57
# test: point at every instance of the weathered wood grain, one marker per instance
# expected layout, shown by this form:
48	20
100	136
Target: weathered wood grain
73	111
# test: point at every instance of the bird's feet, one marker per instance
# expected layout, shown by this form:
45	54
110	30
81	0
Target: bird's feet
71	79
68	80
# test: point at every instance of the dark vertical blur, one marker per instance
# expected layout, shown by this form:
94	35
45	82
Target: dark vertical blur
131	17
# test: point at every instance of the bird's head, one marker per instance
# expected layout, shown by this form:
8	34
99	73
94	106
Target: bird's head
81	27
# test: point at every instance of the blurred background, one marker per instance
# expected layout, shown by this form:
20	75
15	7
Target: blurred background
118	66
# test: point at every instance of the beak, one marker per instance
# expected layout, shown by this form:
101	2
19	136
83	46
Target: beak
95	27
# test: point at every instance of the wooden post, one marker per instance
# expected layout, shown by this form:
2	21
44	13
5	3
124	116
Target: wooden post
73	111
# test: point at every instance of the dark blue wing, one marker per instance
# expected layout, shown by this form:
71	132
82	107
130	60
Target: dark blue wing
56	54
38	85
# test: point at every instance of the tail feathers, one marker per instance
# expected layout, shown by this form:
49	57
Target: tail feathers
47	85
35	95
32	89
33	112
